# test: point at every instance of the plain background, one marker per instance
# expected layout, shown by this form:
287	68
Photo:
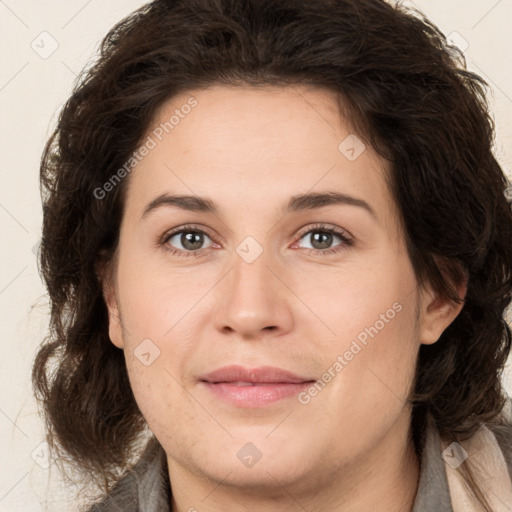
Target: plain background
44	46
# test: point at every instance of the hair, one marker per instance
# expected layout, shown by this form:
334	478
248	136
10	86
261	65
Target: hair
405	91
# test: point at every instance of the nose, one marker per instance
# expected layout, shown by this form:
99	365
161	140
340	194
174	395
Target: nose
253	300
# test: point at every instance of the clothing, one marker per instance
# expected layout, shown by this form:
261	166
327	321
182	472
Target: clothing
146	488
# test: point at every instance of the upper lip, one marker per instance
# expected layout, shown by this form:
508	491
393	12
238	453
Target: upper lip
237	373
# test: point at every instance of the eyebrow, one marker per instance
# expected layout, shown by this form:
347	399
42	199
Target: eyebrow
300	202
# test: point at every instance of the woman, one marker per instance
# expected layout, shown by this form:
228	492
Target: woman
277	246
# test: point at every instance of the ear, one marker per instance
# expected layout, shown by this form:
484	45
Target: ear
437	313
115	330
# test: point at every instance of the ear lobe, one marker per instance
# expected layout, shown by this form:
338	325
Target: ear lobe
115	330
438	313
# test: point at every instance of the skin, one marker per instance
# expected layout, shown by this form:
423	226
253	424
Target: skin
249	150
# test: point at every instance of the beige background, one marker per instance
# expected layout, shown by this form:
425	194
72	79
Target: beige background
33	87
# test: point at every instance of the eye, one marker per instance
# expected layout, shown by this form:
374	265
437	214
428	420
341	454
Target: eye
321	238
189	240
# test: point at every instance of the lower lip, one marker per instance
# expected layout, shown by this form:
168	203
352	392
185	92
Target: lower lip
255	396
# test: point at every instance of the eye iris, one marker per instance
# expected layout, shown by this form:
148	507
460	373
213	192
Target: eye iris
191	240
323	238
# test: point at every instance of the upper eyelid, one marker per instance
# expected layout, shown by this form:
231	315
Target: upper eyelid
327	227
186	228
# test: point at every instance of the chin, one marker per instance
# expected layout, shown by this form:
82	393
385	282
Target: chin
257	463
264	477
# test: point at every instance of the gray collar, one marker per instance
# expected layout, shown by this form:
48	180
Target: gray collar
433	491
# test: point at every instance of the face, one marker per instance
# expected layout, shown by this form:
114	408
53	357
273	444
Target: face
270	271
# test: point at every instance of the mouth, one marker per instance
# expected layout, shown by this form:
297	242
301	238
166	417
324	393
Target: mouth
254	388
261	375
238	383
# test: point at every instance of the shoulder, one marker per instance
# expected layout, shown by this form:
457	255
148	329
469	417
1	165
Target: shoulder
144	487
503	434
123	496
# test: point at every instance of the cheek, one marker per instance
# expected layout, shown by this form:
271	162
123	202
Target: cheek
158	309
155	372
156	299
373	367
363	393
369	362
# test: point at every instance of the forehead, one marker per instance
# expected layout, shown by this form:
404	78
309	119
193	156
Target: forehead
224	116
243	144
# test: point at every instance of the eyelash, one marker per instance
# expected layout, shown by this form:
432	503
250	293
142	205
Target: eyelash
347	241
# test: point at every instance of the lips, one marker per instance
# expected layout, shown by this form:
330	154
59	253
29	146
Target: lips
239	375
253	388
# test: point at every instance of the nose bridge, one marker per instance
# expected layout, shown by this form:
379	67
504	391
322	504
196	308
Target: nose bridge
251	276
253	298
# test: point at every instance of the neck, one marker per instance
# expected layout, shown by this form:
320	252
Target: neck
385	479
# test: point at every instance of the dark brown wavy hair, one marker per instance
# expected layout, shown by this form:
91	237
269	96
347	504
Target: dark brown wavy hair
406	93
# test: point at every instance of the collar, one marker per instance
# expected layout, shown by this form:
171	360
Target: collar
433	490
